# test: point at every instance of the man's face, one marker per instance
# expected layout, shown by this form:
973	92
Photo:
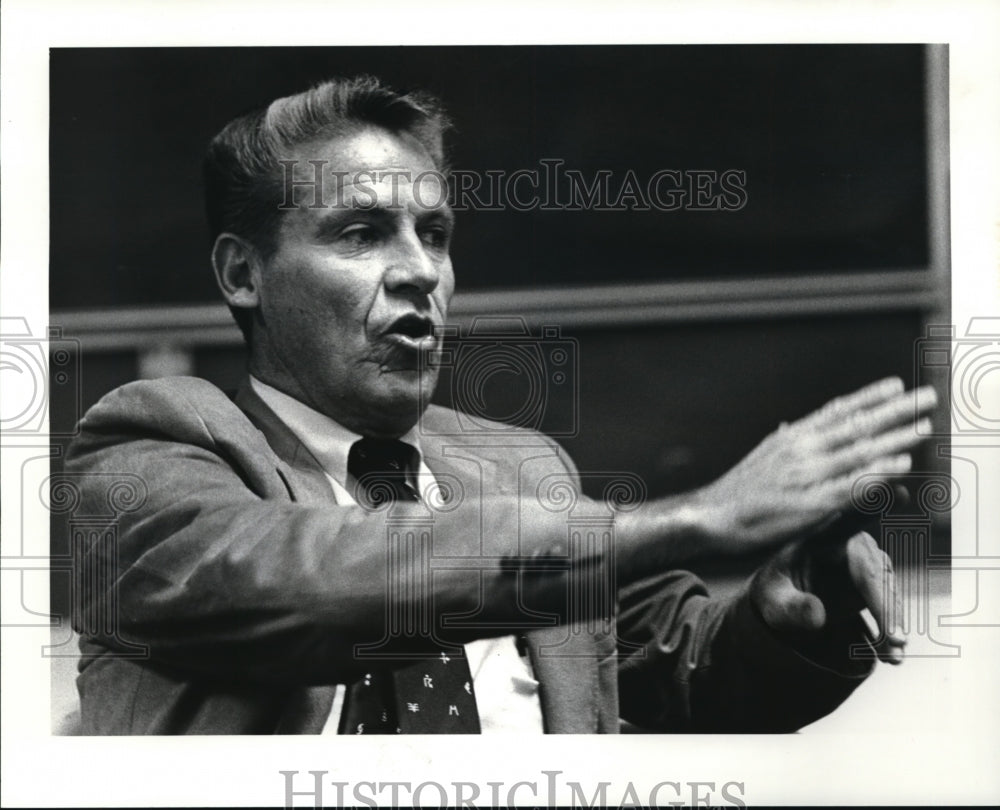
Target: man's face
353	292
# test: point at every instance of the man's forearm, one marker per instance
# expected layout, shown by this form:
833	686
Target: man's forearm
662	535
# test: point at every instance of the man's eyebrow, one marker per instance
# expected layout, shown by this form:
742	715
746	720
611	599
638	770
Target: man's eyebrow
443	212
337	216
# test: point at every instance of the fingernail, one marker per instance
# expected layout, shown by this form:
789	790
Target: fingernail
926	397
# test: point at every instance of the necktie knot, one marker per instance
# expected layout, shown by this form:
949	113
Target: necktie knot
384	470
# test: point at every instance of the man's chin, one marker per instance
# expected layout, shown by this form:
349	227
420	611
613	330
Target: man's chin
402	397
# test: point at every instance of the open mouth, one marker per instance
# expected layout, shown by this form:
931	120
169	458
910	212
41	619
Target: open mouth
412	331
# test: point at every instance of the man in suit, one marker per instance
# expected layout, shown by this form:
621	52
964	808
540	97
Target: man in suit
324	553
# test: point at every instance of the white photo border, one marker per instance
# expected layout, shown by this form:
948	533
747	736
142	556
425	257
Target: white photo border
953	763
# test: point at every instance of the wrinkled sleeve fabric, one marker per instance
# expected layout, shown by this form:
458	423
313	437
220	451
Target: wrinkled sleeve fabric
690	663
218	573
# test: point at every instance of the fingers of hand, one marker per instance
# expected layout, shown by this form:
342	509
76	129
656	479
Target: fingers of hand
895	641
785	608
868	452
872	577
894	416
839	492
868	397
891	649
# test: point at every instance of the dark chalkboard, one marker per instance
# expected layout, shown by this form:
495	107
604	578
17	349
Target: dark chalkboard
830	141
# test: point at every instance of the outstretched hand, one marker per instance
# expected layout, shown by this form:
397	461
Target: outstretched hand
798	481
815	584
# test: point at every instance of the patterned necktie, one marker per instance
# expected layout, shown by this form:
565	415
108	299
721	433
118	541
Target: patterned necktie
430	696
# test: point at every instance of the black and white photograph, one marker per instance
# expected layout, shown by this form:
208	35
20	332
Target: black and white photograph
455	393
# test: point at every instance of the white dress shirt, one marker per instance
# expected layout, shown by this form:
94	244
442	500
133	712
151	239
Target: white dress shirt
506	690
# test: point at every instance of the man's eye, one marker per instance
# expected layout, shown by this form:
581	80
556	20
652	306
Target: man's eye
436	237
358	236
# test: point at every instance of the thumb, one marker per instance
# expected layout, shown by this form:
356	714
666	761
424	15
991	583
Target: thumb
784	607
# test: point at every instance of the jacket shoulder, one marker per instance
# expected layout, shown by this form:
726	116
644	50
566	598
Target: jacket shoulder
440	427
474	429
185	409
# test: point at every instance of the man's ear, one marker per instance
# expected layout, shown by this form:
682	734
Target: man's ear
237	271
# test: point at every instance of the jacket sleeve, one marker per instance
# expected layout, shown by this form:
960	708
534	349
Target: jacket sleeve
217	572
690	663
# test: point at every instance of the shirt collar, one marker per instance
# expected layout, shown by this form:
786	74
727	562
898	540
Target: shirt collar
328	440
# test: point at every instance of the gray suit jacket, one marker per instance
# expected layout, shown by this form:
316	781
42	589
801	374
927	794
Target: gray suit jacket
231	592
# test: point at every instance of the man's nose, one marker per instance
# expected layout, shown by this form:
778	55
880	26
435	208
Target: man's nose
411	267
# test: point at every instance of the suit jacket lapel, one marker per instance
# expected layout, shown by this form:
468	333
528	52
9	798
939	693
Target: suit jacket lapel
564	661
306	709
303	474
